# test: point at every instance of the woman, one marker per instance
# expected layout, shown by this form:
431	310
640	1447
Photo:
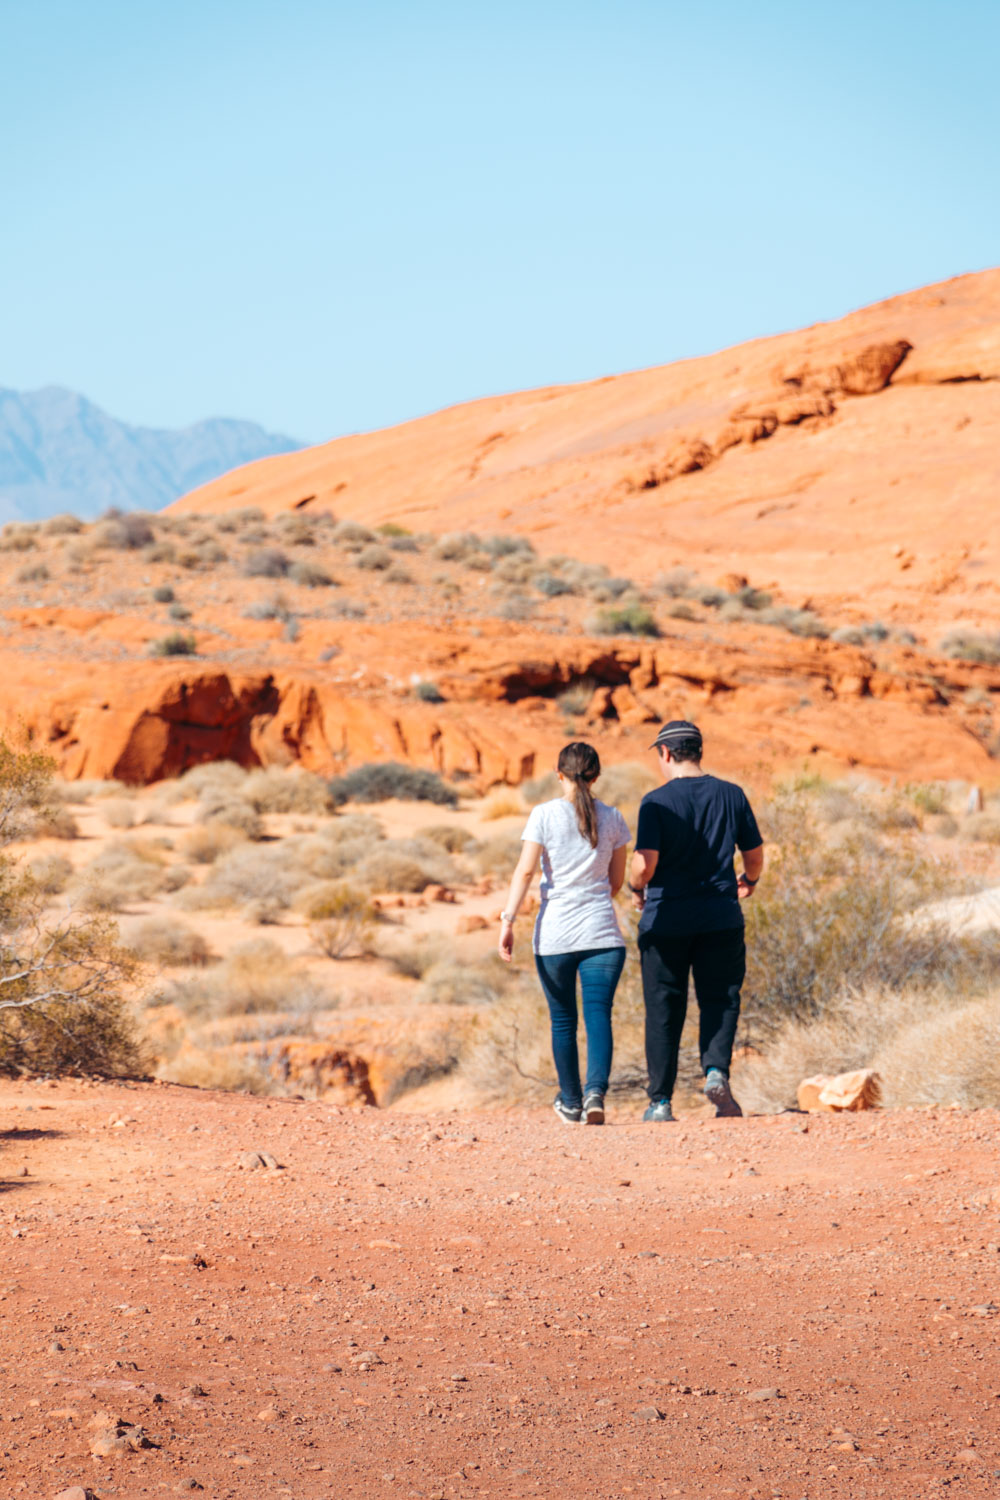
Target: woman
582	844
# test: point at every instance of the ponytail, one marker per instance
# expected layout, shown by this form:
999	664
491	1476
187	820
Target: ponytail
581	764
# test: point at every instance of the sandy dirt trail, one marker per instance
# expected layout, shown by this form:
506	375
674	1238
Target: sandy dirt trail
477	1305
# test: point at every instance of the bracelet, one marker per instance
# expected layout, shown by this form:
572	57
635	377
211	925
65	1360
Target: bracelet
636	890
747	881
506	917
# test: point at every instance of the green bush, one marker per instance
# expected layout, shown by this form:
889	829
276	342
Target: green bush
428	692
383	780
628	619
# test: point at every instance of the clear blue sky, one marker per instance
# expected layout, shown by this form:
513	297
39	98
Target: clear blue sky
328	217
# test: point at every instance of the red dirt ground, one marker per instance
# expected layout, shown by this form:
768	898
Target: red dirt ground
779	1307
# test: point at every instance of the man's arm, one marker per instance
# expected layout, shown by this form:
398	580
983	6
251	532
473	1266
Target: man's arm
644	862
753	865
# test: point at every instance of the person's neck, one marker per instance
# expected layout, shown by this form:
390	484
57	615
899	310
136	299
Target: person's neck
677	770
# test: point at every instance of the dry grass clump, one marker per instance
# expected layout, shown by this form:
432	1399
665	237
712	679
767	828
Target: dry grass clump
310	575
972	645
175	643
63	524
982	828
206	842
274	790
55	822
352	536
406	866
124	531
255	977
627	619
501	802
50	873
94	1035
341	918
374	559
265	562
120	875
626	783
232	812
498	856
165	940
120	813
454	840
33	573
213	779
261	880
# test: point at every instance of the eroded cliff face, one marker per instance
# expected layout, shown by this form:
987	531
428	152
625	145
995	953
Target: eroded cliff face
773	700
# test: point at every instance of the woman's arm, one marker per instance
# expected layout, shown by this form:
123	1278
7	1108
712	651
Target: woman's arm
520	881
616	869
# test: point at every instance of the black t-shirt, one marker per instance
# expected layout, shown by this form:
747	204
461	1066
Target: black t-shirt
696	824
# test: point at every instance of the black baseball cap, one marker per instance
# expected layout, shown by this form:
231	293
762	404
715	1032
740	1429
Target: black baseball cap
677	729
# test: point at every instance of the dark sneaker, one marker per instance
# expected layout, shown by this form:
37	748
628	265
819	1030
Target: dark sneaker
593	1109
571	1116
659	1112
718	1092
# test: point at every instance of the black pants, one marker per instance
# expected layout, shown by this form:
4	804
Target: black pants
718	961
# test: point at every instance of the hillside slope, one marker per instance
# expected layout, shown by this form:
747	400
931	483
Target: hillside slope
60	452
852	460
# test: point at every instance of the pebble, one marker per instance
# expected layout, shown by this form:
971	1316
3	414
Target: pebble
251	1161
765	1393
75	1492
648	1414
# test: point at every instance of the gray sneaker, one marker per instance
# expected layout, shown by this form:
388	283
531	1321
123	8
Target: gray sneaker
718	1092
593	1109
565	1112
659	1112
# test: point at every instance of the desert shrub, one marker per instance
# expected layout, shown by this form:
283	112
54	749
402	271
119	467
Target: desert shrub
575	700
374	559
50	873
478	562
165	940
501	802
267	609
340	917
18	536
296	530
179	612
254	978
629	619
310	575
449	982
124	531
352	536
397	574
382	780
552	586
163	594
276	790
120	812
428	692
213	779
261	879
514	607
240	520
413	957
982	828
63	524
540	788
159	552
55	822
848	635
518	569
676	584
503	544
498	856
929	797
205	553
391	530
455	545
61	1005
33	573
387	869
83	791
752	598
802	622
454	840
603	589
174	644
827	920
265	562
347	609
232	812
680	609
206	842
941	825
120	875
625	783
972	645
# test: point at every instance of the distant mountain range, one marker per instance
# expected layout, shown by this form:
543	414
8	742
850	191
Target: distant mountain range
60	452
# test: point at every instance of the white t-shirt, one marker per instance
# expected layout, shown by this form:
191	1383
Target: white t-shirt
576	908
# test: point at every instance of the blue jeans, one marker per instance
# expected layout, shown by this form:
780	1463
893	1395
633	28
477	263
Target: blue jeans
600	970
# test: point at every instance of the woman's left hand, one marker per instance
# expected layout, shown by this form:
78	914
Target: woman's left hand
505	947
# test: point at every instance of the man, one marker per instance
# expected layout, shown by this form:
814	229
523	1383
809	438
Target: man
684	883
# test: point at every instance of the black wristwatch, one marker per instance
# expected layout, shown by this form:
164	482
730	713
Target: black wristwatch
636	890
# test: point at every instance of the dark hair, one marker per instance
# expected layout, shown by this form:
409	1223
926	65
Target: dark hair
686	749
581	764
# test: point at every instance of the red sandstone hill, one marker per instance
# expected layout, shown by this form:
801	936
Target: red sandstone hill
852	461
